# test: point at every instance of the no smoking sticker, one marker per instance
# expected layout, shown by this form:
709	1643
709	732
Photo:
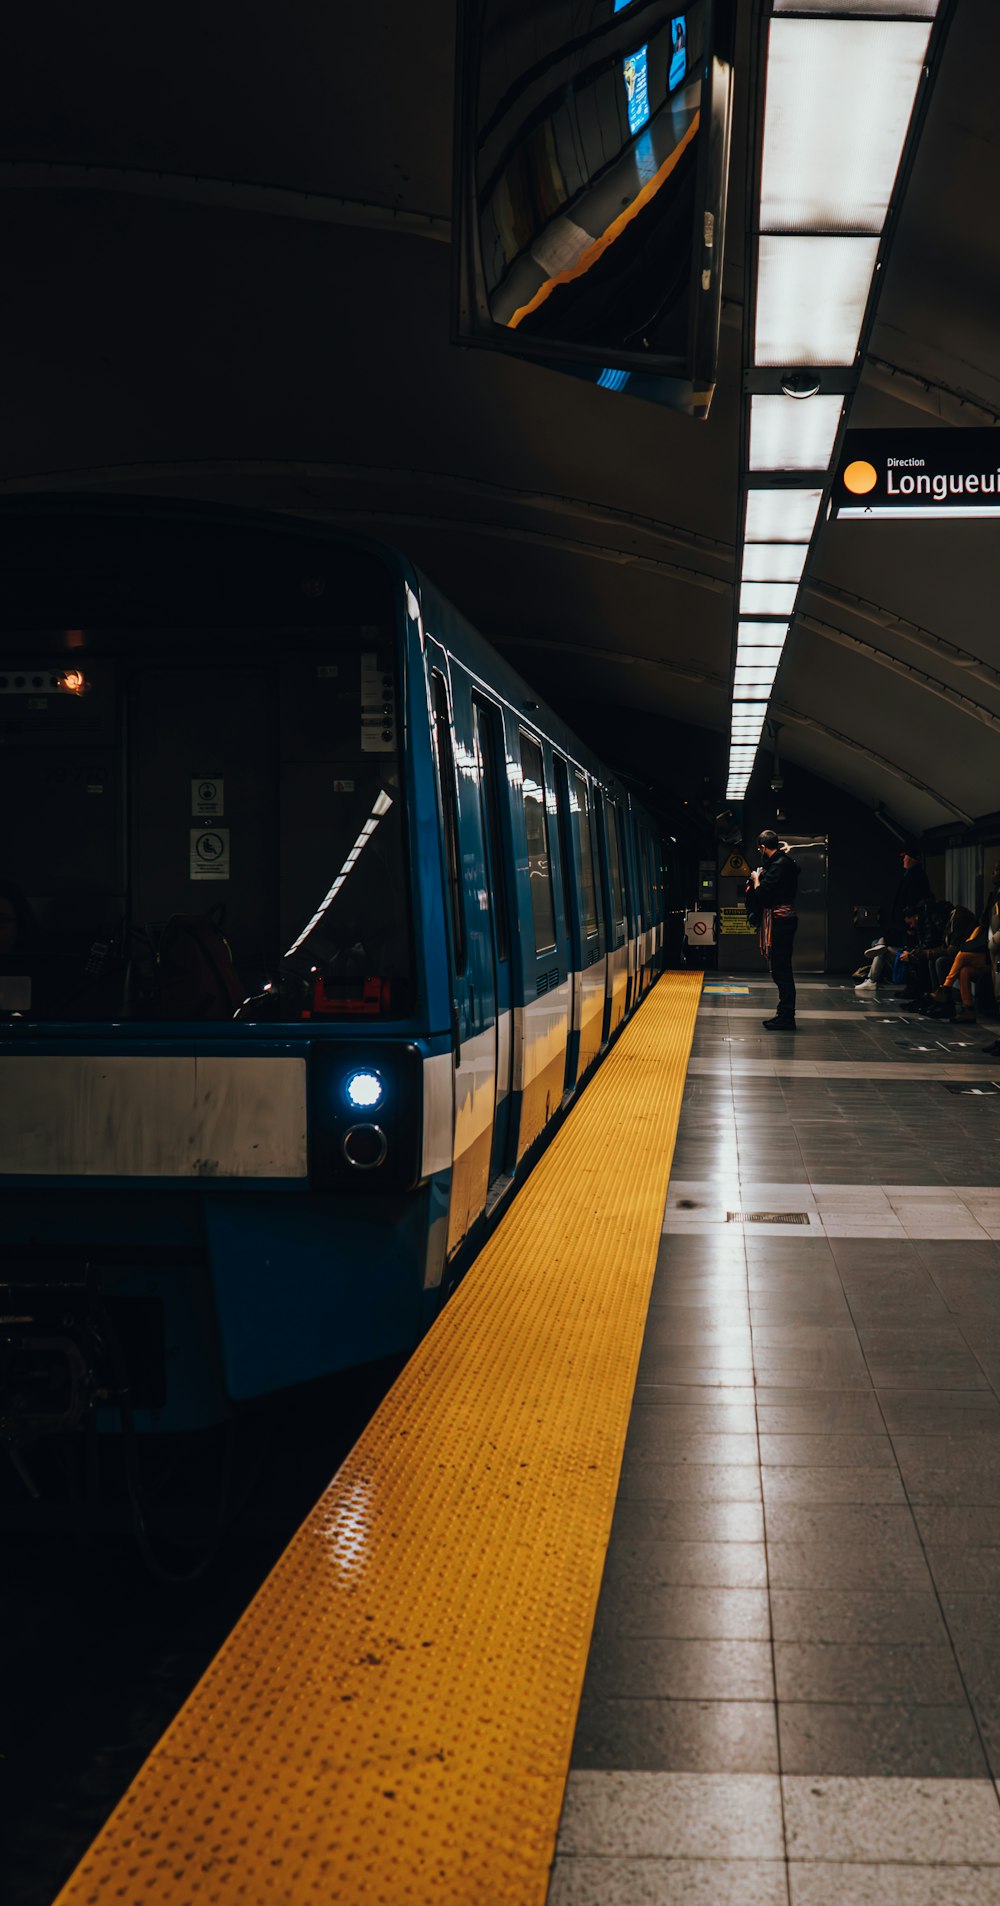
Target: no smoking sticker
209	853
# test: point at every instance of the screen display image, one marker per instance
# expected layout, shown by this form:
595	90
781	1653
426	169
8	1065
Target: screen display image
636	72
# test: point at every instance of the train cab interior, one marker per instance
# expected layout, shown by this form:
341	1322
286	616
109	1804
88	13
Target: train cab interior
206	815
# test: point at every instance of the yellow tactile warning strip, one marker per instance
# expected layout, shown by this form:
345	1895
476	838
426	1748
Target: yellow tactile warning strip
391	1720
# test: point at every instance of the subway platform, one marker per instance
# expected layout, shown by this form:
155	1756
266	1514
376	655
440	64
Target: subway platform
669	1570
793	1692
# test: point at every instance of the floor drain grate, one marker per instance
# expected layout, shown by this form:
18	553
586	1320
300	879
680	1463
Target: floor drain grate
767	1217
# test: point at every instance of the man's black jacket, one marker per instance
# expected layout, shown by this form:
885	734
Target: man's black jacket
779	882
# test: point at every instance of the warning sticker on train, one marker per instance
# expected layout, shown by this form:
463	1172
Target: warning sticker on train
209	853
207	795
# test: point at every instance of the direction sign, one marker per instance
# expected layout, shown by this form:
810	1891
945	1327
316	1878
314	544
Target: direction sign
918	474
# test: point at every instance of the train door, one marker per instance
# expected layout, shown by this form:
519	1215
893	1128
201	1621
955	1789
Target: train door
487	723
592	973
540	1035
617	917
625	830
473	1001
571	910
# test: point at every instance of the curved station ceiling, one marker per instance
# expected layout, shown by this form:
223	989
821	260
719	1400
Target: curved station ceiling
227	240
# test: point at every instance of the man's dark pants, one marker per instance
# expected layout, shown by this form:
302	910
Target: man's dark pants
782	940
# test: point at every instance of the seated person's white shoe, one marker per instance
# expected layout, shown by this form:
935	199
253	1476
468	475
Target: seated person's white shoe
867	986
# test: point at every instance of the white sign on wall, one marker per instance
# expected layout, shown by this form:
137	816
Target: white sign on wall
207	795
209	853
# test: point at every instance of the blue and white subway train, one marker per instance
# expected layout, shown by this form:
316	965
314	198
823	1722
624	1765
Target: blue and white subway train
315	921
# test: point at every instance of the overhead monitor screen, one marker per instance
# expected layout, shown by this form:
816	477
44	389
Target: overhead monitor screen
590	187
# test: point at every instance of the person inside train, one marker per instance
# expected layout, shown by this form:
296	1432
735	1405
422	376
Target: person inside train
774	886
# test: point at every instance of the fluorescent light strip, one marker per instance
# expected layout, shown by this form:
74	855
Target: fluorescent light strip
811	298
774	562
758	658
781	516
894	9
768	598
840	93
789	433
769	635
838	104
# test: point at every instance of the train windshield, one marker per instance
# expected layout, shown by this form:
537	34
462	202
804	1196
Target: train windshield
211	825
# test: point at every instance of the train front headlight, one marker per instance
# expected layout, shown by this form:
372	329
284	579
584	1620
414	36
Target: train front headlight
364	1090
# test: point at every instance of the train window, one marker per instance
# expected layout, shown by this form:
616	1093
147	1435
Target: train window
539	865
615	872
342	873
217	820
485	728
588	888
449	810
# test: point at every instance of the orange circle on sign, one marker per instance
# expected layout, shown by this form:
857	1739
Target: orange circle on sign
700	927
860	477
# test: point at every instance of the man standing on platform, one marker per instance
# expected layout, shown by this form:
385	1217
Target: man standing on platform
776	884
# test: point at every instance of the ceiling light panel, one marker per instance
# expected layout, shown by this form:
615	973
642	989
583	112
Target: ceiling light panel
768	598
753	691
760	658
766	635
774	562
838	103
789	433
886	9
811	297
781	516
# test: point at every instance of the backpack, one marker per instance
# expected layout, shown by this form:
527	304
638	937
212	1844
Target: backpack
196	978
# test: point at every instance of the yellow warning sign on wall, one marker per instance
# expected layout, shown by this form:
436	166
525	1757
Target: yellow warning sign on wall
734	920
735	865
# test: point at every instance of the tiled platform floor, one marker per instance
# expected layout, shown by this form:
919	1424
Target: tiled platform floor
794	1687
